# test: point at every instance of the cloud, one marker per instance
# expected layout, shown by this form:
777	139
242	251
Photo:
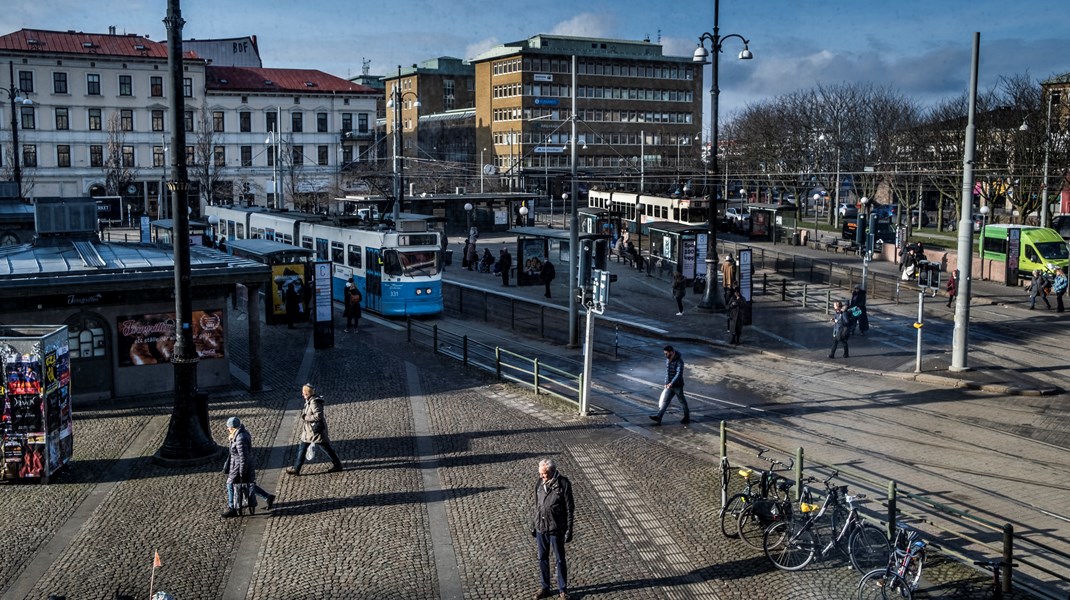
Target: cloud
585	25
475	49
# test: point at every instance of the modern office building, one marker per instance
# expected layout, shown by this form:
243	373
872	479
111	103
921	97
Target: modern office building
637	109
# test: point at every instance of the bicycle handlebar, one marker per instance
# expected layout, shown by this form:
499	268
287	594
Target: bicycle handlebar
774	461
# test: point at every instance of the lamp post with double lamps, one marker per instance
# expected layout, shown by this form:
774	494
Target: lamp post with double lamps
396	98
13	94
711	299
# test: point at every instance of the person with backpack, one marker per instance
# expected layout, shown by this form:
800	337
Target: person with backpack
856	310
1059	287
547	274
841	330
352	300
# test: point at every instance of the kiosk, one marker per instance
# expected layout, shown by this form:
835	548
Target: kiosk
36	422
289	266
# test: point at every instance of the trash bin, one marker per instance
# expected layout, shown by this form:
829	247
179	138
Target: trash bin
795	238
448	258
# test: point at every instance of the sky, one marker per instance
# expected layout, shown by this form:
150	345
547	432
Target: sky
921	48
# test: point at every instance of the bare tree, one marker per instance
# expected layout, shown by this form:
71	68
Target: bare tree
207	159
119	171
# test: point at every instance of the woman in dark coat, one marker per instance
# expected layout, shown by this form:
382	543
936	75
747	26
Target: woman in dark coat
737	307
241	473
858	300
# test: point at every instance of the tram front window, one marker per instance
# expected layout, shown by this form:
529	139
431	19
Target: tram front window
410	263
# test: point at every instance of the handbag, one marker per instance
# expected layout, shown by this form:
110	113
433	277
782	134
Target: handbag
310	454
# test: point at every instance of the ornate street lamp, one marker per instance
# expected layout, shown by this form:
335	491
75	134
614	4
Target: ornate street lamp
13	94
711	298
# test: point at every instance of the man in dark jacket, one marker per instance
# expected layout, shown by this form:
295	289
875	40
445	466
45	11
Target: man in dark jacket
547	275
313	431
674	386
841	330
505	261
552	525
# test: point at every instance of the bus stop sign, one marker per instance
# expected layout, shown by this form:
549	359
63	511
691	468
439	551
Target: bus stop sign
599	290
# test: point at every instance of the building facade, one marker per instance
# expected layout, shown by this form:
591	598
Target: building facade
99	124
636	109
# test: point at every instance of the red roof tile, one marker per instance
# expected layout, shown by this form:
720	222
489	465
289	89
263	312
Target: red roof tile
295	81
76	42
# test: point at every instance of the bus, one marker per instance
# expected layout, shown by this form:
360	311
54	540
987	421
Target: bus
397	269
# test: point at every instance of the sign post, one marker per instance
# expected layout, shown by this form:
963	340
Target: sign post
323	314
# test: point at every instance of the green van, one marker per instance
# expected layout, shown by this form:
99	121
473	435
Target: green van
1041	248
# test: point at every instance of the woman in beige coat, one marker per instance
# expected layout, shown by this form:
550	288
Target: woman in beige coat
313	431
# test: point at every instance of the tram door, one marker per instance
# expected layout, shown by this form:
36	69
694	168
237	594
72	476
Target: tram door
373	282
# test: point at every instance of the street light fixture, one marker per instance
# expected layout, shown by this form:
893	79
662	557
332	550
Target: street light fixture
981	250
399	157
1044	182
817	199
16	100
711	299
524	215
468	210
482	168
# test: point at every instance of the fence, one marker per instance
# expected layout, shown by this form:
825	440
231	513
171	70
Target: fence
956	528
529	372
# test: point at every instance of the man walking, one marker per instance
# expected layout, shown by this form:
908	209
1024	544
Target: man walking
841	330
674	386
547	274
505	262
313	431
552	525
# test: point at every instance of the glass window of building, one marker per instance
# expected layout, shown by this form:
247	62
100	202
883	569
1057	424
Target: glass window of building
321	122
63	155
63	120
59	83
96	156
157	120
92	84
156	86
126	85
245	122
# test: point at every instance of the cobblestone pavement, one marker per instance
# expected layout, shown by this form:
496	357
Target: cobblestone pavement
434	501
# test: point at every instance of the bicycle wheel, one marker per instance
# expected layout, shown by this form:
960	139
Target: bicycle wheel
730	515
912	573
750	526
837	515
880	584
868	548
786	549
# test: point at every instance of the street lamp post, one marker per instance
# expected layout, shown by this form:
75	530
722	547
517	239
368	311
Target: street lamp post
399	157
711	299
1044	182
16	101
981	250
817	198
481	168
273	140
468	232
867	249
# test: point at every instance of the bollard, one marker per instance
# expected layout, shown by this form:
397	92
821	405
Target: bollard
1008	556
408	331
783	290
765	282
798	472
891	510
434	335
806	290
828	301
464	351
535	378
724	465
498	361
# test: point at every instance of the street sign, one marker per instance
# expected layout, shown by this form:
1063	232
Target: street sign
549	149
599	290
547	102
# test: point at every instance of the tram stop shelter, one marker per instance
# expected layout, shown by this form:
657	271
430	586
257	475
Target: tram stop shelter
537	244
160	231
765	221
676	247
117	302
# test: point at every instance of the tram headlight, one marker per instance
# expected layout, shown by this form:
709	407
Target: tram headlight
419	291
428	291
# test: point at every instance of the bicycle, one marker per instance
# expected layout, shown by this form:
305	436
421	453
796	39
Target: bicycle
901	577
995	566
757	516
791	547
731	510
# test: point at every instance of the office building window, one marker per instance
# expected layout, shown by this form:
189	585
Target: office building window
94	119
59	83
126	119
126	85
297	122
157	120
157	156
271	121
26	81
321	122
128	156
347	121
362	122
92	84
245	122
96	156
187	87
246	156
191	155
156	86
448	98
29	119
219	154
63	155
29	155
187	120
217	121
321	155
298	155
63	118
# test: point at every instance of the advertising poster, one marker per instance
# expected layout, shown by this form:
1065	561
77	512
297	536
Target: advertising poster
149	339
531	253
288	280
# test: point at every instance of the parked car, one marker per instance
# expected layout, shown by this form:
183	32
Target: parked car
914	218
884	211
737	218
848	211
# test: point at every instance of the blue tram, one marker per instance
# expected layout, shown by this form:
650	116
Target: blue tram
398	270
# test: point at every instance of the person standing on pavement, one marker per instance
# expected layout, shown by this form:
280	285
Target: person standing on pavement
841	330
1059	287
547	274
313	431
473	256
857	308
552	525
353	298
464	254
679	289
505	262
1036	288
728	276
737	308
293	304
952	287
674	386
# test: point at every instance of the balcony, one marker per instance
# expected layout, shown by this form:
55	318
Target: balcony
355	135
